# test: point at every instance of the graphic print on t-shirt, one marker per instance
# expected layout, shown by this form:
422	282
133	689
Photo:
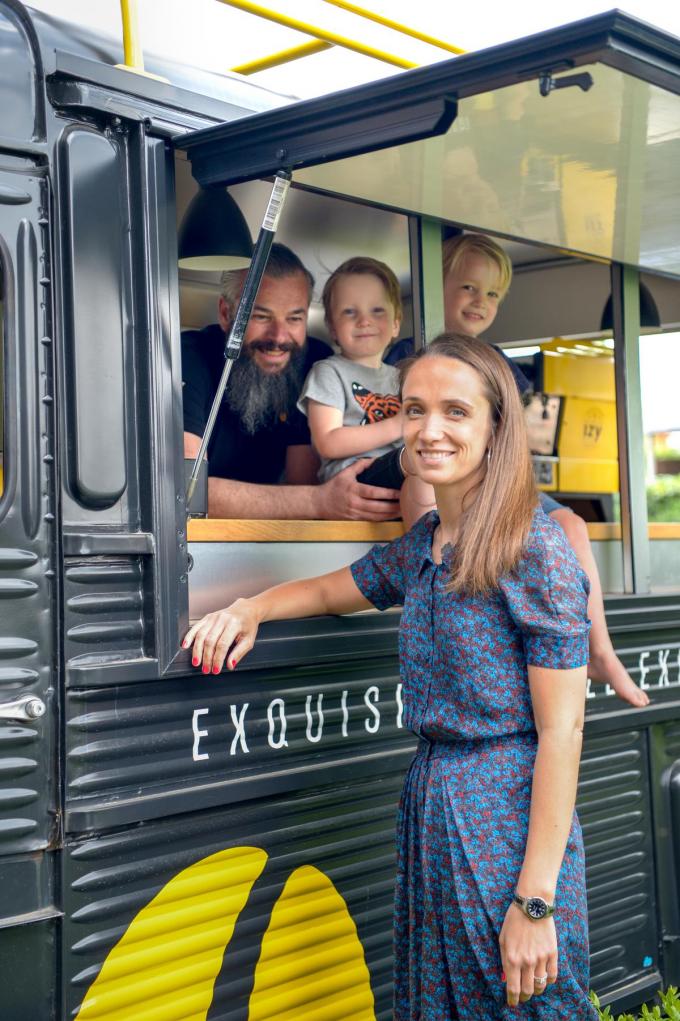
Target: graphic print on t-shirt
375	407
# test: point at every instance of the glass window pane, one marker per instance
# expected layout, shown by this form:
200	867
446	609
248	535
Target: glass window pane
550	326
593	172
659	373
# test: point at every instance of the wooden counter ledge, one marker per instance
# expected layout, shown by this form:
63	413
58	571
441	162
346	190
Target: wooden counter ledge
236	530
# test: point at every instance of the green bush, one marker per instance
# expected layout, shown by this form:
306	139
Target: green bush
669	1010
663	498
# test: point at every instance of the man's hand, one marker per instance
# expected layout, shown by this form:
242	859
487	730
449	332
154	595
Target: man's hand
343	498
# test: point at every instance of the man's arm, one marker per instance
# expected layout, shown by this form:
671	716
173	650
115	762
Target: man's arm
342	498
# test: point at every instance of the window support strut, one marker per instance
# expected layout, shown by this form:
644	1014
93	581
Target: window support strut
251	286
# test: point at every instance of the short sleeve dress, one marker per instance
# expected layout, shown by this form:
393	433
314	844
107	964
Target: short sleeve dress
464	812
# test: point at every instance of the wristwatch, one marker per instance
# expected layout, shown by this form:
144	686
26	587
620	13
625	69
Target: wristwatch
534	908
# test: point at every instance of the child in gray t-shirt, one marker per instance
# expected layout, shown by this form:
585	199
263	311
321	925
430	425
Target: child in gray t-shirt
351	400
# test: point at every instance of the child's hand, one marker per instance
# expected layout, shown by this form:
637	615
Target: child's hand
229	632
610	670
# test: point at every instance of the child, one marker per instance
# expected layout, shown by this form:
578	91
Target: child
477	275
351	400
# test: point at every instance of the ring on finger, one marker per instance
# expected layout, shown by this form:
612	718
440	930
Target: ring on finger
540	980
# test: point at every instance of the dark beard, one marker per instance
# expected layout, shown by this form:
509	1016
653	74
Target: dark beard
258	398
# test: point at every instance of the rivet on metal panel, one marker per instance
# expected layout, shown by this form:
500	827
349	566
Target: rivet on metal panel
48	517
47	399
48	459
45	340
45	281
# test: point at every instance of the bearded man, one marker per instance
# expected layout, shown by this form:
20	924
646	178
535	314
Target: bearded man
260	460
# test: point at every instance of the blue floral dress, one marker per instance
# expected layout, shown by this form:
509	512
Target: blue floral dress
464	812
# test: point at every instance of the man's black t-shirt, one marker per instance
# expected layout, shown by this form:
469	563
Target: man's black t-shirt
232	452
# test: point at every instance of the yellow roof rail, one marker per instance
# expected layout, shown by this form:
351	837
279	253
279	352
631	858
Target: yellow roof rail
322	34
133	55
395	25
283	57
322	39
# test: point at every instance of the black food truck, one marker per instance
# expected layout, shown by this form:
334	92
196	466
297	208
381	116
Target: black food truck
180	847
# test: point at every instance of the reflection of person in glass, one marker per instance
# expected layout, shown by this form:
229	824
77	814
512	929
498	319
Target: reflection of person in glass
477	276
490	899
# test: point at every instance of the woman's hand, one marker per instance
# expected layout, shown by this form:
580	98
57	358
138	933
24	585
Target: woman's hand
229	632
528	952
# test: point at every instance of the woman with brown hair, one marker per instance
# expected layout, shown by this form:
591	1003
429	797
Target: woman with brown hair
490	898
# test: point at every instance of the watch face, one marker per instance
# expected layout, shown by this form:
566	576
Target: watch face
537	907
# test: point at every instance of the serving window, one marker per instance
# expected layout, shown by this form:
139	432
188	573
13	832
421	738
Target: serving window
552	325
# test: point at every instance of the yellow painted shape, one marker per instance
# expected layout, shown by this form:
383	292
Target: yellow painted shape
165	965
312	963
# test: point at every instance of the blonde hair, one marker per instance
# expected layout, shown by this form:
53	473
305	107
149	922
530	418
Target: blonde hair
496	524
363	265
456	249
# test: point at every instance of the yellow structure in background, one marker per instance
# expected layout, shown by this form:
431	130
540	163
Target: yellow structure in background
582	375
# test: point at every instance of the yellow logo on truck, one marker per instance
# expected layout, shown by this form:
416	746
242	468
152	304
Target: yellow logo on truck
165	965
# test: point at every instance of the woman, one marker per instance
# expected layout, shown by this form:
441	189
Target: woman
493	647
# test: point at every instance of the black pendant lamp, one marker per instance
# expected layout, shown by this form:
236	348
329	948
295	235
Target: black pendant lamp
649	313
214	235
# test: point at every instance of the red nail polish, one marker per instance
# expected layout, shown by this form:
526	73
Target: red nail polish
206	669
216	670
502	976
195	661
233	664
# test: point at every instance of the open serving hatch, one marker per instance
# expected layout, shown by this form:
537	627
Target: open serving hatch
569	138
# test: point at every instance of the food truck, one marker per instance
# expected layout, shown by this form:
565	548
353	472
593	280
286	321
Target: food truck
174	846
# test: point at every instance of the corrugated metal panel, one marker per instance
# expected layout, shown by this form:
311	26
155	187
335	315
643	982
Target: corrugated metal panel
26	517
104	601
144	751
298	889
615	812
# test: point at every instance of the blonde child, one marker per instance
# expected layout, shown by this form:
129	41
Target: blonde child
477	276
351	399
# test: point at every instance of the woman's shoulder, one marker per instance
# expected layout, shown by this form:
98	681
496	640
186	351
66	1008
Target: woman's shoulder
548	557
416	543
545	535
